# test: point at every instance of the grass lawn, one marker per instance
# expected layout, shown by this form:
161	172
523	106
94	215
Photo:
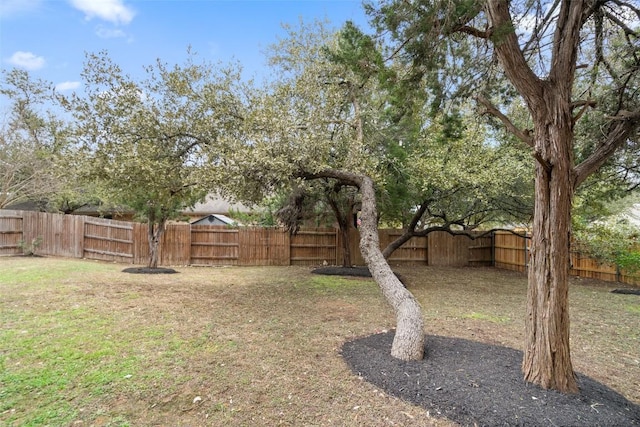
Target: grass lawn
84	344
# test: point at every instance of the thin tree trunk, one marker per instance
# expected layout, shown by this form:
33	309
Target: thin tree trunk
409	340
344	225
547	356
155	235
345	233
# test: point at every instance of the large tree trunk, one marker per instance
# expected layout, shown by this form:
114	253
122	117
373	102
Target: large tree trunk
547	358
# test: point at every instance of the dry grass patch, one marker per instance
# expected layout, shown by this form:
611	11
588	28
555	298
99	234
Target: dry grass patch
83	343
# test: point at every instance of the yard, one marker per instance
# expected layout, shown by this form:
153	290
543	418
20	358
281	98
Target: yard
83	343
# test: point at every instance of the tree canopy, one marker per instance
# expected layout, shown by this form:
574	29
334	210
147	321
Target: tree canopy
33	141
153	144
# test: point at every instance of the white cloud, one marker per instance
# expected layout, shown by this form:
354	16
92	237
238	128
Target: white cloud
16	7
109	33
64	86
27	60
114	11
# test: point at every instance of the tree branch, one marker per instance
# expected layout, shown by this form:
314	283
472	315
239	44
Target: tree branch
565	43
509	53
491	109
620	129
472	31
585	105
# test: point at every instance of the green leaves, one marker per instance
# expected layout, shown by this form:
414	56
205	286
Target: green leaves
153	145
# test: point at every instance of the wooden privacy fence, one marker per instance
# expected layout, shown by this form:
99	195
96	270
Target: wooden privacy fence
184	244
511	252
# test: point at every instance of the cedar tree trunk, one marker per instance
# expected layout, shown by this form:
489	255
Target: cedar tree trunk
547	357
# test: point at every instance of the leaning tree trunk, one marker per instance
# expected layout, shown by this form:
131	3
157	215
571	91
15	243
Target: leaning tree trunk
547	358
409	340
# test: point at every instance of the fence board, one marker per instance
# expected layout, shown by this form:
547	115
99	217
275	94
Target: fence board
413	252
108	240
11	232
511	252
447	250
175	247
314	247
214	245
264	246
481	252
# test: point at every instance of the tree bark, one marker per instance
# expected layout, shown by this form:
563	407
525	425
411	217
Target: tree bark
345	233
547	356
409	339
344	225
156	229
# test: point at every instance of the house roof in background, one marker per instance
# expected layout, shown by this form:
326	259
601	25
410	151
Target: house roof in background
216	205
216	218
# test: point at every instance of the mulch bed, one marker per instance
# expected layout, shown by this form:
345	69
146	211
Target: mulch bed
626	291
333	270
147	270
473	383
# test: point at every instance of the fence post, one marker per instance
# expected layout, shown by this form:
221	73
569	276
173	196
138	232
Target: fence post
493	248
526	252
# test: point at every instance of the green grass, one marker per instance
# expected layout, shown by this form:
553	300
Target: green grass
82	343
59	351
28	271
633	308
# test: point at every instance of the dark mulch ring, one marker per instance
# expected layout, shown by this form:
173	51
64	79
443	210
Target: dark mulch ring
472	383
334	270
148	270
627	291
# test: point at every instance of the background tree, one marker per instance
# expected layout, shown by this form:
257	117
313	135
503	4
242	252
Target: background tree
315	63
150	143
544	50
457	178
32	139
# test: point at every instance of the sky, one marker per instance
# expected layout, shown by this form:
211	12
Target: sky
49	38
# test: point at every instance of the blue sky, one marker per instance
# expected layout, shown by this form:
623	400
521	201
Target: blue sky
50	37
